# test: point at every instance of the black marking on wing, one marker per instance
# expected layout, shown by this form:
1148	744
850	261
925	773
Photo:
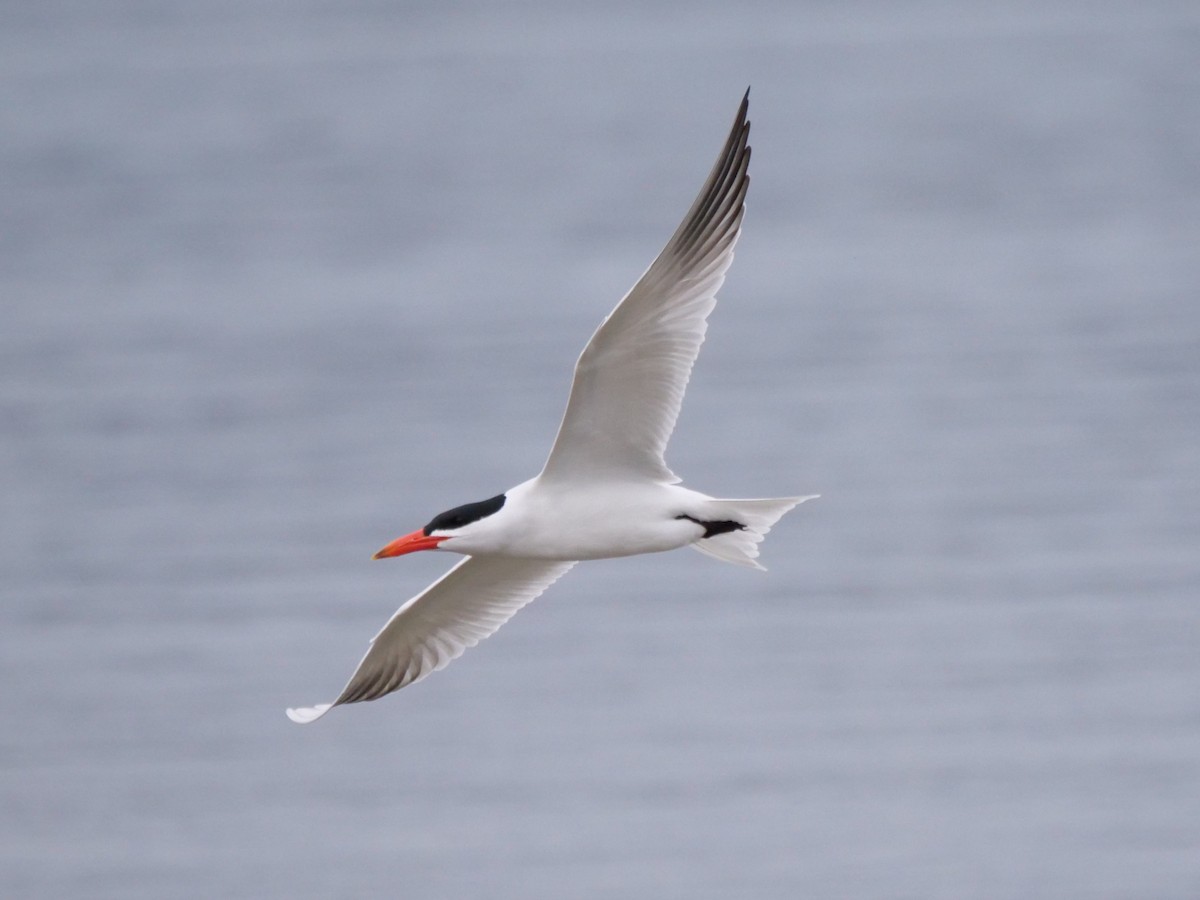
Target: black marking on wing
464	515
718	526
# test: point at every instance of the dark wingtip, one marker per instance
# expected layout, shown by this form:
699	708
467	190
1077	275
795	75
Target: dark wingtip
743	113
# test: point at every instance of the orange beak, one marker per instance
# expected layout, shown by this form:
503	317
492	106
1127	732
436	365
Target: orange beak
410	543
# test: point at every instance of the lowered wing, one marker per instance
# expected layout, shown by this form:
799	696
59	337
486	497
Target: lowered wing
457	611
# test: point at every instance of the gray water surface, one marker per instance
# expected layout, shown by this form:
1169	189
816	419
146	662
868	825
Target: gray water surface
281	281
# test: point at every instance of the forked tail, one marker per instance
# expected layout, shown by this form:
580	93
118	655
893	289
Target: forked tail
755	518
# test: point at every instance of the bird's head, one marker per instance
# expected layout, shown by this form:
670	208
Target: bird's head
445	530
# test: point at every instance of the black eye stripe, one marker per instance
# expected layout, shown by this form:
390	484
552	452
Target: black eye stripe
464	515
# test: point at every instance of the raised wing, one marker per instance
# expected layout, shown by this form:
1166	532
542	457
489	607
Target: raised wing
630	379
457	611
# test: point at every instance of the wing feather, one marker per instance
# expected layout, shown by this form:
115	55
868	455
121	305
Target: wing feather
631	377
464	606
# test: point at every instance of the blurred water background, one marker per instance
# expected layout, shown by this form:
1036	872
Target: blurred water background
280	281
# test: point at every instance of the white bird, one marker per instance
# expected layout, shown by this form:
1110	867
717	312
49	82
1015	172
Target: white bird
605	490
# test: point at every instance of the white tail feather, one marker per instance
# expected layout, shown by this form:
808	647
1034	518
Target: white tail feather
758	516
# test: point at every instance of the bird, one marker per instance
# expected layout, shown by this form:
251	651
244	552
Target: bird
605	490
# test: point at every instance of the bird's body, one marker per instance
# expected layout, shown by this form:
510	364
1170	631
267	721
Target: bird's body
605	490
595	520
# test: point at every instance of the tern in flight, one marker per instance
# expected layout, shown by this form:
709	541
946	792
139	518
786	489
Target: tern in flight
605	490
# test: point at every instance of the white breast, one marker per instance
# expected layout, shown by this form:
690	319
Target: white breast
597	520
